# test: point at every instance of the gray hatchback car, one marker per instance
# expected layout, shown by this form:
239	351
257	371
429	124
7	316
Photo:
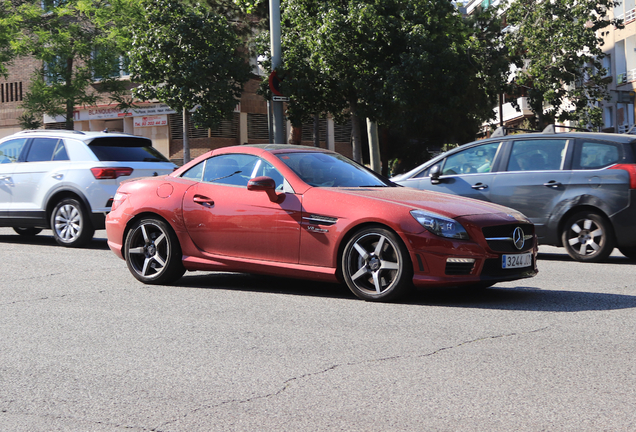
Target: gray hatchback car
578	188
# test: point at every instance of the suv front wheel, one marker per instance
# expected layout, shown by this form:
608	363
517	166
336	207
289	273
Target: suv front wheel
588	236
71	223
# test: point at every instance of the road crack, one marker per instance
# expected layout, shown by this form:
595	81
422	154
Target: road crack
288	383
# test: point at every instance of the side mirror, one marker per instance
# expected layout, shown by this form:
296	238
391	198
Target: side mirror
265	184
435	173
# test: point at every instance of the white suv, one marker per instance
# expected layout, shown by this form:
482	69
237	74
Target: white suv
66	180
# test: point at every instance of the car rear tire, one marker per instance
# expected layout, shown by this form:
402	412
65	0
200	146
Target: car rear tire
27	232
376	265
153	253
588	237
71	223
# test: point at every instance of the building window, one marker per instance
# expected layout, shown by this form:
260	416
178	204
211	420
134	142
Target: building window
11	92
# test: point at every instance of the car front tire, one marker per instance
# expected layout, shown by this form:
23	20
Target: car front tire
153	253
71	223
376	265
588	237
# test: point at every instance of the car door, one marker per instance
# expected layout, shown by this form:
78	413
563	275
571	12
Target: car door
534	179
467	172
9	156
224	218
44	166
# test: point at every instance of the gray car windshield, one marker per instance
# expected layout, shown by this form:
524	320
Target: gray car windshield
330	170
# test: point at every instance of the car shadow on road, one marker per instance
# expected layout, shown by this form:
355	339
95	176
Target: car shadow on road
524	299
43	239
264	284
516	298
613	259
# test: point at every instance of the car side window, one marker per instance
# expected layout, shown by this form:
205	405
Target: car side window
10	150
477	159
596	155
234	169
195	173
45	149
537	155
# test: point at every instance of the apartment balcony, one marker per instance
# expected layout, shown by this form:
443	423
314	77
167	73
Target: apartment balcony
510	113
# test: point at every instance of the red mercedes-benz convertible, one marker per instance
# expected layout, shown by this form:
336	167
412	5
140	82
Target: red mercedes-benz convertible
307	213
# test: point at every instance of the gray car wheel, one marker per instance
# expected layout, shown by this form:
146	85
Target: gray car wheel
152	252
376	265
588	236
71	223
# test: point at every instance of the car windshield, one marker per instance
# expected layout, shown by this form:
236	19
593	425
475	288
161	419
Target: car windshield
330	170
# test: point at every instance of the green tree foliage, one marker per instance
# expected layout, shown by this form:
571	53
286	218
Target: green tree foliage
188	58
412	65
80	57
8	28
561	39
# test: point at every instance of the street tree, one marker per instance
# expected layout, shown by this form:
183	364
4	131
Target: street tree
80	59
405	64
561	43
189	58
8	29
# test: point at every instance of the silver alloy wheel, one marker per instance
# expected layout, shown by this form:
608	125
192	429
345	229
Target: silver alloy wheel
373	263
149	250
586	237
68	223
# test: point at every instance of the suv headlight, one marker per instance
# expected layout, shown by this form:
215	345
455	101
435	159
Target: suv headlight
440	225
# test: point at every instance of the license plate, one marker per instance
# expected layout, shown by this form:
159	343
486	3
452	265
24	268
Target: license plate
516	261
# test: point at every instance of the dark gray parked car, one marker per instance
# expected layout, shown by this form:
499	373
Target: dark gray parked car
578	188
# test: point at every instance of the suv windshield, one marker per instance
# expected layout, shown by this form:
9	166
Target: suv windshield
330	170
125	149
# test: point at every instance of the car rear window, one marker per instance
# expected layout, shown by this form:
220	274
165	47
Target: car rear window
124	149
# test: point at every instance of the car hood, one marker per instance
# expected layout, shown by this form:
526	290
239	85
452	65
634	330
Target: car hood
448	205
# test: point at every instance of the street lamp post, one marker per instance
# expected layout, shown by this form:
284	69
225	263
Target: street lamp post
277	106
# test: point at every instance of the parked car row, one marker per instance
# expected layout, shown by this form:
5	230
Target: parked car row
310	213
577	188
66	180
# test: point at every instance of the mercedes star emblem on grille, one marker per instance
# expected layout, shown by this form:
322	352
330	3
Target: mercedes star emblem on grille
518	238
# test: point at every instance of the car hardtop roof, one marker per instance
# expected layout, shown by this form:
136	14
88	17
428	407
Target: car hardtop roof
80	135
279	148
550	131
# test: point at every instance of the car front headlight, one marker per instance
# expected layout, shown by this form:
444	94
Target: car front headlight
440	225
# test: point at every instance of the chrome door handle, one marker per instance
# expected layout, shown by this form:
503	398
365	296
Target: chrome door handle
58	176
479	186
553	184
203	200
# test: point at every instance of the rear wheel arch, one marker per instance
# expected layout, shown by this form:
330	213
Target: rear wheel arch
135	219
59	195
573	210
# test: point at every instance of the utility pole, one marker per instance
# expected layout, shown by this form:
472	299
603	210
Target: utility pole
277	106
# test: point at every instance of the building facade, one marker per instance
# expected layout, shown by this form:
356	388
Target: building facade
249	123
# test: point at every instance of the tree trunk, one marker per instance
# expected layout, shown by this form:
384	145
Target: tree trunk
356	135
316	133
374	146
186	140
296	134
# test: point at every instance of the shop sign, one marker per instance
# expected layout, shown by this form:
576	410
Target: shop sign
148	121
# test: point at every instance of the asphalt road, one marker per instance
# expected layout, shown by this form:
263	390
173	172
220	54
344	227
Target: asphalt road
85	347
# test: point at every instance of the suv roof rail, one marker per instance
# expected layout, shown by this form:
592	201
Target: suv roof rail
551	128
51	131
